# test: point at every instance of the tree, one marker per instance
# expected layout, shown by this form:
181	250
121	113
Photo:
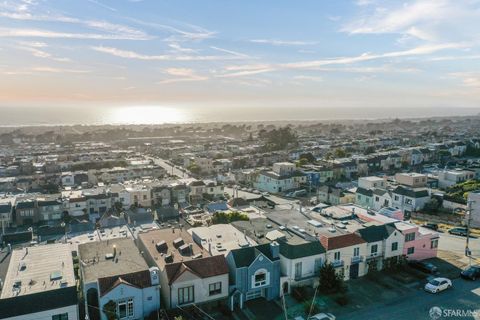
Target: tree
330	281
308	157
221	217
432	206
339	153
369	150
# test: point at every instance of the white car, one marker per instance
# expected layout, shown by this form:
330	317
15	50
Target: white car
438	284
322	316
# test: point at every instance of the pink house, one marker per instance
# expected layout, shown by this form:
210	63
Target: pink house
420	243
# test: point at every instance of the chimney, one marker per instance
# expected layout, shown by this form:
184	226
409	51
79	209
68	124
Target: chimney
210	248
274	249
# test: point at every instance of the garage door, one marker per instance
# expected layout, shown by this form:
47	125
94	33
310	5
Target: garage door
253	295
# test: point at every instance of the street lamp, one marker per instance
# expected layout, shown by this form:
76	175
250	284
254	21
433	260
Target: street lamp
64	225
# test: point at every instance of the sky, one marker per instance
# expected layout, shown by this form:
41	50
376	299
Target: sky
360	53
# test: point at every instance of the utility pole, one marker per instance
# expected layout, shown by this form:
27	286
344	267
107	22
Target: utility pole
468	253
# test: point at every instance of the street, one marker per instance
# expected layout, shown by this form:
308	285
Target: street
172	170
456	245
464	296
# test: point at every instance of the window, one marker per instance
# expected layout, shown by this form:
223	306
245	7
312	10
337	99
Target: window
356	252
396	198
61	316
410	236
260	279
122	310
318	265
377	199
411	250
298	270
336	256
394	246
215	288
186	295
434	244
374	248
408	201
130	308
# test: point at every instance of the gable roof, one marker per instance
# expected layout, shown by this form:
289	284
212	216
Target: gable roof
412	193
244	257
301	250
365	192
203	268
376	233
341	241
140	279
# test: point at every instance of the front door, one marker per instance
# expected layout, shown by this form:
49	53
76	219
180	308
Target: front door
354	271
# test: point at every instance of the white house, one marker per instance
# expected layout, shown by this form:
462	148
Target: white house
346	252
116	277
188	273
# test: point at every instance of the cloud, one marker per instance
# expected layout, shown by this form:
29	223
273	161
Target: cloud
100	4
36	49
309	78
283	42
40	33
426	20
319	64
58	70
195	33
181	75
469	79
134	55
233	53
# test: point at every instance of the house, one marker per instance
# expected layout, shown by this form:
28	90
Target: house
448	178
188	273
282	178
26	211
254	273
115	275
301	255
220	238
384	245
371	182
197	188
179	193
161	196
334	196
49	209
419	243
6	215
409	199
36	287
364	197
412	179
381	198
346	252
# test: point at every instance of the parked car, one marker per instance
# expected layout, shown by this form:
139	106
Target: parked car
438	284
426	267
432	226
458	231
471	273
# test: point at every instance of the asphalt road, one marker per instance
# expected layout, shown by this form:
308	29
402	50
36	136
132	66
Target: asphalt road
456	244
171	169
464	296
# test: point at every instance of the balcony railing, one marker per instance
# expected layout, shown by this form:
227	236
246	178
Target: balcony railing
374	255
357	259
337	263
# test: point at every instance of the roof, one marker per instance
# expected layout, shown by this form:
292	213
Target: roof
39	269
365	192
95	264
5	208
161	243
376	233
341	241
244	257
203	268
295	251
139	279
412	193
37	302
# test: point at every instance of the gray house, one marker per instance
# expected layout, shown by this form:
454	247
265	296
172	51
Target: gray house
254	273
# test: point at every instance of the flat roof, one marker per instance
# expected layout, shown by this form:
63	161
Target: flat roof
113	257
222	238
156	237
38	269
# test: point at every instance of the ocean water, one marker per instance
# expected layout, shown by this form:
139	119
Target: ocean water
91	115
